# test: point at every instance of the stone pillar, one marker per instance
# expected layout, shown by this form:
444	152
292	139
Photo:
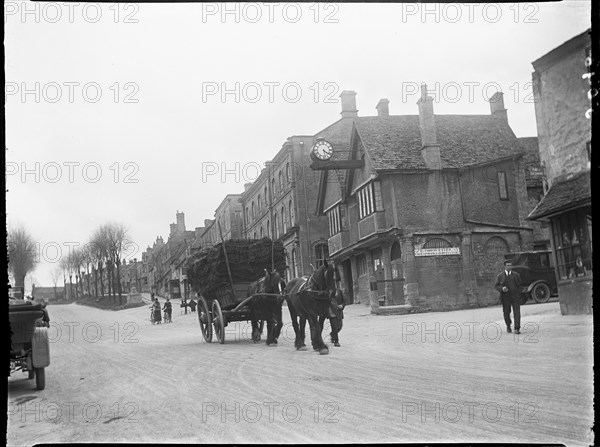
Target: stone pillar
411	285
387	267
469	284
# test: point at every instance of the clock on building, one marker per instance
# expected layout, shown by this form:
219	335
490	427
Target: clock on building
322	150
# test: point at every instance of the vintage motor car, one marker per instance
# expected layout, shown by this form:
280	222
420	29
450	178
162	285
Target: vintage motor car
537	274
29	348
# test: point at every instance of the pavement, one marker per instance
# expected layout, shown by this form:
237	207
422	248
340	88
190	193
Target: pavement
432	377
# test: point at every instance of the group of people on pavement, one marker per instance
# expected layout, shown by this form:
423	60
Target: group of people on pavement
157	310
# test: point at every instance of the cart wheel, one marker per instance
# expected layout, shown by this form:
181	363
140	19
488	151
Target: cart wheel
541	292
31	374
204	317
40	378
218	321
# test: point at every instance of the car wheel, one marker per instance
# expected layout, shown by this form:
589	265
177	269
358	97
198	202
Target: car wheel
541	292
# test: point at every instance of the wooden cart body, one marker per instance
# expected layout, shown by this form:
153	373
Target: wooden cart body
228	305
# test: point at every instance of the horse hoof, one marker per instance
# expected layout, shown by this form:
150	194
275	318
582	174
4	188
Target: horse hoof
323	351
302	348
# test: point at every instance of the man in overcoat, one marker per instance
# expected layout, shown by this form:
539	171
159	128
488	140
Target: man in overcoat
508	283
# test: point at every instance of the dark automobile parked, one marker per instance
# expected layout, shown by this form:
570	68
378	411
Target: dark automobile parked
537	274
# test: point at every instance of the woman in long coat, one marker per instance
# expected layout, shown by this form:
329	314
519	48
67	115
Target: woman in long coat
156	310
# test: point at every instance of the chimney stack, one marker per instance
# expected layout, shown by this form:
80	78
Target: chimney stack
348	104
497	105
180	222
383	108
430	150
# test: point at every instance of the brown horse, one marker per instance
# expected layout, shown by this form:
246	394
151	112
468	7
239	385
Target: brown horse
266	308
305	302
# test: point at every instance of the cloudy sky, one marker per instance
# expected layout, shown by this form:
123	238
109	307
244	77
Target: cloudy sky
131	112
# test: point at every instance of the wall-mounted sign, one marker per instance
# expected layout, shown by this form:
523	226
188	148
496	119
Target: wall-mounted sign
447	251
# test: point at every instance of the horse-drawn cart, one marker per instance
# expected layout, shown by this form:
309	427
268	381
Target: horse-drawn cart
233	283
29	348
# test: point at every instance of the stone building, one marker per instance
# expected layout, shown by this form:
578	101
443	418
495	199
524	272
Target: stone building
535	180
562	105
165	274
433	204
280	203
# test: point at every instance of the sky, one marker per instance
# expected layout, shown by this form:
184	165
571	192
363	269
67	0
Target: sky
131	112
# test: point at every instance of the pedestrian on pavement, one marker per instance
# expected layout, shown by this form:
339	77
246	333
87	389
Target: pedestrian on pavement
152	295
337	322
508	283
168	310
156	311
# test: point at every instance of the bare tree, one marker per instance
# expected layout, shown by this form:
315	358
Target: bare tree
55	275
86	262
117	241
99	250
21	255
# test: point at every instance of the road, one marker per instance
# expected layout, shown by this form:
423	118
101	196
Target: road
433	377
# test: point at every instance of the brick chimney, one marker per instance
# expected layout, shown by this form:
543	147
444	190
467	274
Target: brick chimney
383	108
497	105
180	222
349	109
430	150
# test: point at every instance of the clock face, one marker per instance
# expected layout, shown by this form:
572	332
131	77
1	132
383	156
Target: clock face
323	150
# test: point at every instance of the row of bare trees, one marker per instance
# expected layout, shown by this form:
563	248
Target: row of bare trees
99	261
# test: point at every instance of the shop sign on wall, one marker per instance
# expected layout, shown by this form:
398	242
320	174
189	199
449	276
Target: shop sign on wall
447	251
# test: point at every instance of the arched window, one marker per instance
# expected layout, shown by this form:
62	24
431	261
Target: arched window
261	232
276	226
266	194
291	213
437	242
395	253
294	265
287	173
253	210
286	274
496	246
280	182
284	219
254	237
268	229
259	203
246	215
273	191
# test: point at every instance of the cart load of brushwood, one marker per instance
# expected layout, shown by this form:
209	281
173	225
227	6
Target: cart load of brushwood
247	258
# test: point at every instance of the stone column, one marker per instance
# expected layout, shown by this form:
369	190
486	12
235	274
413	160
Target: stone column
411	285
469	284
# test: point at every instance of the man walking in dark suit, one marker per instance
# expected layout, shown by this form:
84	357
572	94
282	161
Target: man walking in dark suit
508	283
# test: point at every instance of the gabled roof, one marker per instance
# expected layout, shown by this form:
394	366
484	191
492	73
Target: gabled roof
339	135
570	192
394	142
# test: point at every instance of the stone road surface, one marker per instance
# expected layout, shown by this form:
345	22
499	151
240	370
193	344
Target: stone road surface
434	377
